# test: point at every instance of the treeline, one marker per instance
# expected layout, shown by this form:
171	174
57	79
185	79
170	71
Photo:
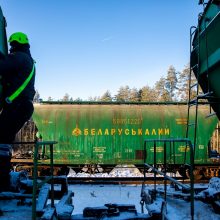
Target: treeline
173	87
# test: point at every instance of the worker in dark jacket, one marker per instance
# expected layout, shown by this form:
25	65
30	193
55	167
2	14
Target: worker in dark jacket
18	75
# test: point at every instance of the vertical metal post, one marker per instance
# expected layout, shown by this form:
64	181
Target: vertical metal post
191	178
192	32
34	196
52	179
170	159
217	144
155	163
165	170
174	156
187	143
43	151
145	155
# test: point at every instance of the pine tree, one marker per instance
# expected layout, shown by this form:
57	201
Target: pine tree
161	91
147	94
36	97
106	97
183	84
123	94
171	83
66	97
49	99
133	95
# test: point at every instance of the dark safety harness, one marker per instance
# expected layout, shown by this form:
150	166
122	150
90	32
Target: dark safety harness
13	96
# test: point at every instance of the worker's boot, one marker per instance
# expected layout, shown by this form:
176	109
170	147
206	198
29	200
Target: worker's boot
5	166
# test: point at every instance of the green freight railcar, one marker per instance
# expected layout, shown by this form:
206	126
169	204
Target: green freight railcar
111	133
205	55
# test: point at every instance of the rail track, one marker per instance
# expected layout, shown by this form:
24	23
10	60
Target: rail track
128	180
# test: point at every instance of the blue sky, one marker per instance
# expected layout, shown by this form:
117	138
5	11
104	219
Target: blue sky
84	47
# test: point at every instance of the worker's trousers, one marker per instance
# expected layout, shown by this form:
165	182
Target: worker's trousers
12	119
5	167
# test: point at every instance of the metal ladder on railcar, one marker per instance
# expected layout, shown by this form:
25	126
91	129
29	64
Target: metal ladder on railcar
194	102
207	97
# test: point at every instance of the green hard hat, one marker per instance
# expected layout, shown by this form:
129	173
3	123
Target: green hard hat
19	37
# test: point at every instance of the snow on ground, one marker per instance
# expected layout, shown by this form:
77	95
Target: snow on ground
13	211
118	171
178	209
94	195
213	188
91	195
98	195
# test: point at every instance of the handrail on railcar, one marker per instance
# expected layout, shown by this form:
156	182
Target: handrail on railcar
35	174
165	141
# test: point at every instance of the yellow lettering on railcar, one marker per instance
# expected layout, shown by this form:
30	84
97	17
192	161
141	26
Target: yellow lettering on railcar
183	149
201	147
100	156
76	132
99	149
139	131
160	131
126	131
159	149
117	155
100	132
106	132
167	131
75	153
128	150
127	121
93	131
120	131
46	122
153	132
147	132
181	121
112	131
133	132
86	132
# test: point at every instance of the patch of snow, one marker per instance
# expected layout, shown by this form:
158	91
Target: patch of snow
125	171
91	195
118	171
98	195
212	191
214	184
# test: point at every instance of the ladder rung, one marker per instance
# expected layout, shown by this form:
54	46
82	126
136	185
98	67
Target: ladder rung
193	67
204	95
193	102
211	114
193	85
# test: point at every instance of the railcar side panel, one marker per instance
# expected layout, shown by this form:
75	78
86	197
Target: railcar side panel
115	134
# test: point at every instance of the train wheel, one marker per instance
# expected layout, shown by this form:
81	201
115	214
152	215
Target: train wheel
210	172
21	167
198	175
16	179
92	168
183	170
